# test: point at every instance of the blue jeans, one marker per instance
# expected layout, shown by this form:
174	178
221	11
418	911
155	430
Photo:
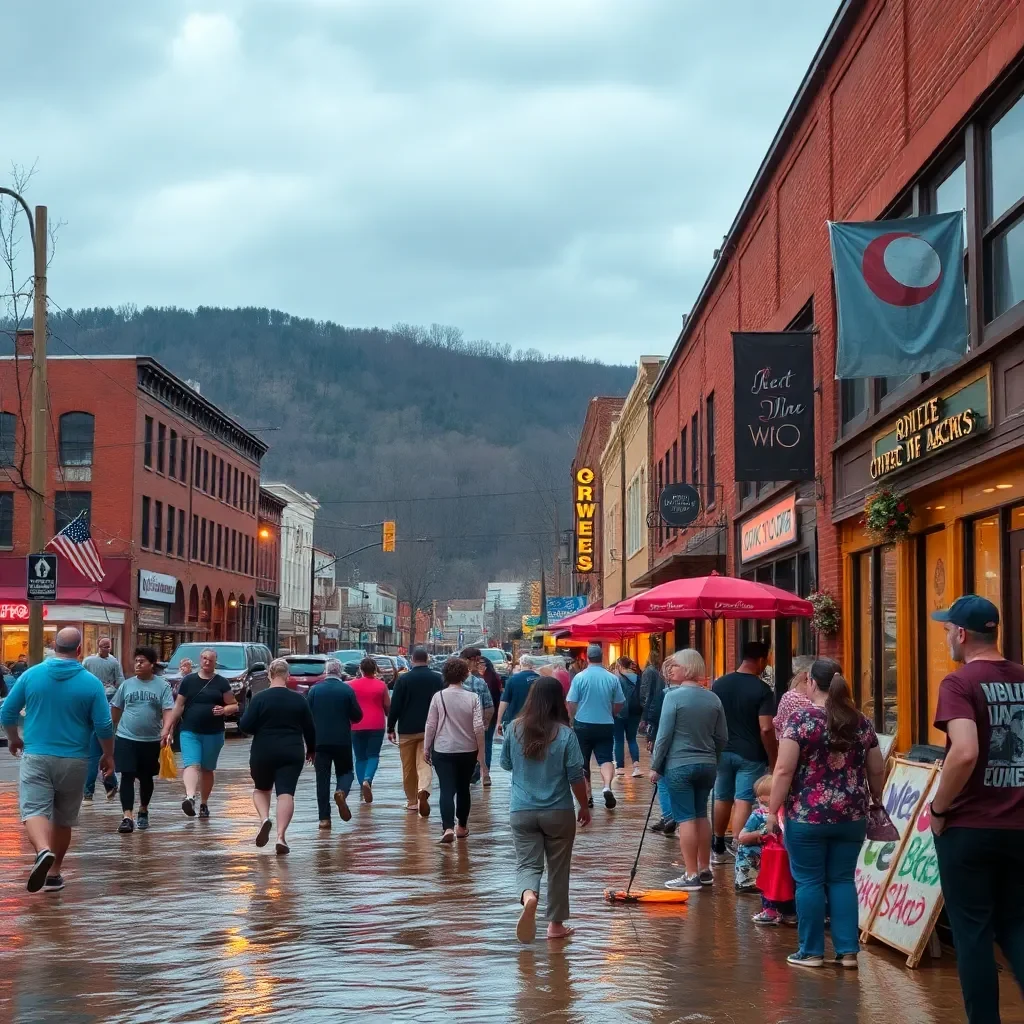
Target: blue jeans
109	781
823	859
664	800
689	789
366	744
489	739
625	732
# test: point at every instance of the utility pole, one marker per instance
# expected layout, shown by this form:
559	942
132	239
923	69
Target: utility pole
37	524
312	592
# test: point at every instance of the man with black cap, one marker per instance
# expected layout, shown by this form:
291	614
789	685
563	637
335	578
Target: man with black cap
595	698
977	811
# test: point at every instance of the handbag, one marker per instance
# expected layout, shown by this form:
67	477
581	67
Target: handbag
880	827
775	880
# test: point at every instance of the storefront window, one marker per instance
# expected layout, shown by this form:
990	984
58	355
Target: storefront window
93	632
864	631
987	550
888	610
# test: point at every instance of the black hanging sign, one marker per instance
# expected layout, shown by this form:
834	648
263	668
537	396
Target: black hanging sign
774	406
679	504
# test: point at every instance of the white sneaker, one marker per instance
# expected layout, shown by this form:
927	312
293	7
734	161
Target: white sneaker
722	858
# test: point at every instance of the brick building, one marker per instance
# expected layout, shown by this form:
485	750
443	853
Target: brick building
268	568
597	428
909	107
169	483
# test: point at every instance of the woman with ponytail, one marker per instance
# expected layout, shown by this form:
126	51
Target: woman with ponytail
828	771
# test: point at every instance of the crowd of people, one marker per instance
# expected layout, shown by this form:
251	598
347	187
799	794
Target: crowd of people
737	774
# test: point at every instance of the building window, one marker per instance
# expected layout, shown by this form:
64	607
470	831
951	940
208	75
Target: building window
864	632
206	471
220	537
158	525
1004	211
709	426
172	456
988	578
875	629
195	537
661	525
76	438
220	493
6	519
695	448
147	443
682	455
234	500
202	540
145	521
853	400
636	520
8	433
161	447
248	494
197	466
234	550
181	533
68	506
169	547
183	474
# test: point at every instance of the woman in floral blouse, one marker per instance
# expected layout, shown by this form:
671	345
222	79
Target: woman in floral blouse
828	770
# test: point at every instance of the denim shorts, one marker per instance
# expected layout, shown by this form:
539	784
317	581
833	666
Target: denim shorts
689	788
736	778
201	749
596	740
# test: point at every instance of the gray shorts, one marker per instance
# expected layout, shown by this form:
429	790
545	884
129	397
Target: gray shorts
52	787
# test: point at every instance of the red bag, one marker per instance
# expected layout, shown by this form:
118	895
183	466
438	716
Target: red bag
774	879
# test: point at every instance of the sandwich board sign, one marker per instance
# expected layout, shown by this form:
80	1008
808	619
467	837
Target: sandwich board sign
42	577
902	797
905	914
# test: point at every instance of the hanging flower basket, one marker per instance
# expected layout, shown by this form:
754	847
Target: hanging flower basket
825	620
888	516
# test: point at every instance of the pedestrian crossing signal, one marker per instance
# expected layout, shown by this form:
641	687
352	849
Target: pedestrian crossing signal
388	536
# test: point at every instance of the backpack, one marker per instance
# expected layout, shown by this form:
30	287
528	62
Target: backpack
631	691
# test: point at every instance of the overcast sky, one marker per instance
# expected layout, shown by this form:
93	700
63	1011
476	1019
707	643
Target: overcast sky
546	173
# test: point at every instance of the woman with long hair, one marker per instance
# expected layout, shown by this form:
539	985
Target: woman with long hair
692	734
453	742
795	698
828	771
628	720
283	737
543	755
368	733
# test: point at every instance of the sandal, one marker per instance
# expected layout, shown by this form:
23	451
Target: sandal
449	836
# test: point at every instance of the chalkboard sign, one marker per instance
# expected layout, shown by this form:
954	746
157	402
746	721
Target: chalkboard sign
774	406
679	504
909	906
901	796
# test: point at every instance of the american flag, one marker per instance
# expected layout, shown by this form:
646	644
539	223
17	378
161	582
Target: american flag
74	542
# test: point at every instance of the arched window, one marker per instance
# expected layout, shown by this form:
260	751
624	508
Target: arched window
76	435
8	434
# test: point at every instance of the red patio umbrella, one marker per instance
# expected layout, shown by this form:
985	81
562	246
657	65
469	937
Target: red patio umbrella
716	597
606	625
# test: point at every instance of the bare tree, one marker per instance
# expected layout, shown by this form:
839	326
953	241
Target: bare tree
415	573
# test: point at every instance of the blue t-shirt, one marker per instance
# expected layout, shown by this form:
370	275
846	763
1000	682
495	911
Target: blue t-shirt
142	704
543	785
595	690
514	695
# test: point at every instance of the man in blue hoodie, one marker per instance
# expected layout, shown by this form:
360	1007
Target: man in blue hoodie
65	706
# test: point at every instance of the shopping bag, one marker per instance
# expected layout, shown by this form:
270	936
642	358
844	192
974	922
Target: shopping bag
774	879
880	828
168	766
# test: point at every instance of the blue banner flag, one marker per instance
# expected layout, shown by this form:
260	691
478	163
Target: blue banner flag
900	296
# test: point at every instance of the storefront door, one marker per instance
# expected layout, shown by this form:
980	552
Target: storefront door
1013	623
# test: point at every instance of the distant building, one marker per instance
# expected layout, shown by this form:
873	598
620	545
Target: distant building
297	521
268	568
464	618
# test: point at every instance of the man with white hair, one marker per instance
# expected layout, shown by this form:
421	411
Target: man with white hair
517	686
65	707
335	708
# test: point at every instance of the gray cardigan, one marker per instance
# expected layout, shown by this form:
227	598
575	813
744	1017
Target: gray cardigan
692	729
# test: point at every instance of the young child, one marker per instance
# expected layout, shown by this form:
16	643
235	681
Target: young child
748	859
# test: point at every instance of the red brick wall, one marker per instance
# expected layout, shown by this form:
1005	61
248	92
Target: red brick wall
905	77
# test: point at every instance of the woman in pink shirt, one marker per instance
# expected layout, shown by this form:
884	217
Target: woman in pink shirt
368	734
795	698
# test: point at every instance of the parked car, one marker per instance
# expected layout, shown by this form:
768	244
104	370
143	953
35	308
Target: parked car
243	665
387	669
350	655
499	659
306	670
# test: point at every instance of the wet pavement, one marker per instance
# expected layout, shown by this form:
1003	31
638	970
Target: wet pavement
375	921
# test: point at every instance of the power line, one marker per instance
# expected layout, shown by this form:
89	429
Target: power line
438	497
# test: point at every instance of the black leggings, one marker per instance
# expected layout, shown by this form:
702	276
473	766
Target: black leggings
128	790
454	776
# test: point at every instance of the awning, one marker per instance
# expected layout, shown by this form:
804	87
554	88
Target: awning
68	595
680	567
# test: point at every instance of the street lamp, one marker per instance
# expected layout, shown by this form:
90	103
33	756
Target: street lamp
37	491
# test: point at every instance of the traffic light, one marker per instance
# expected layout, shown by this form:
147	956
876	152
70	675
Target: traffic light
388	536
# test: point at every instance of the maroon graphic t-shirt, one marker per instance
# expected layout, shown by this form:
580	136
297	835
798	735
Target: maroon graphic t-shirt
991	694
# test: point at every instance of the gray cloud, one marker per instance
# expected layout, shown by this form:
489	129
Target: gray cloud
547	173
